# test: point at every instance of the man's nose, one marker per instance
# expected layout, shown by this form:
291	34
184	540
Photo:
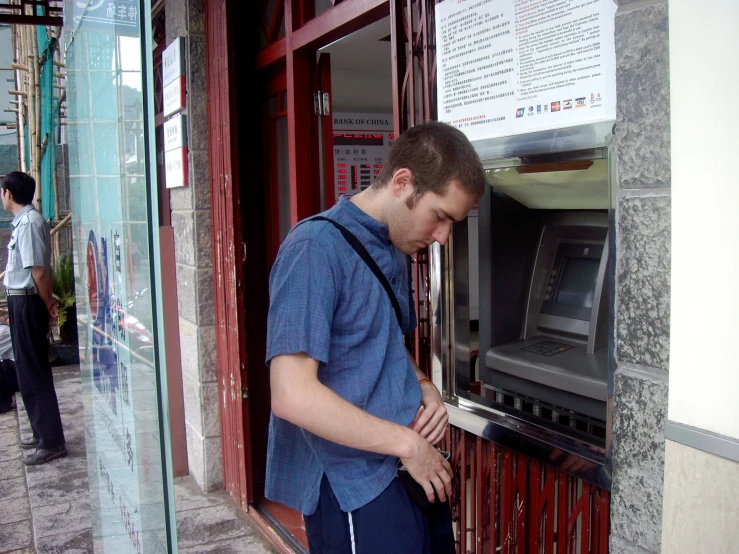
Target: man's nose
441	235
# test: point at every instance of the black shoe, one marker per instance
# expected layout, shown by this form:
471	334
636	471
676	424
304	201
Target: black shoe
41	456
28	444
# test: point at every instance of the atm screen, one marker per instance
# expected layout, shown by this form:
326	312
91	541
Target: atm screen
577	281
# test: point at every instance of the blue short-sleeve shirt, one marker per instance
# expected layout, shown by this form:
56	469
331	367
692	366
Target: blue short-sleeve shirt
326	302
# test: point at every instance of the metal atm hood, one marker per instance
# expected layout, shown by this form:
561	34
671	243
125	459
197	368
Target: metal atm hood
555	141
567	185
556	169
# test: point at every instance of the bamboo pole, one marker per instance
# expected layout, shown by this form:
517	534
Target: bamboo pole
31	99
60	93
36	95
21	104
19	149
37	92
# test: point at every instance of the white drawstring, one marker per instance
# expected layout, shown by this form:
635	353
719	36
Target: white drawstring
351	532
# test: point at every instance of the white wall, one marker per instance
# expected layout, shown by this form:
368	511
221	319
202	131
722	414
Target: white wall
704	80
357	90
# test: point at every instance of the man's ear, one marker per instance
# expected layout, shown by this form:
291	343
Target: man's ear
402	183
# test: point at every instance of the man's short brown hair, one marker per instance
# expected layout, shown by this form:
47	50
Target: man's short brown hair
436	154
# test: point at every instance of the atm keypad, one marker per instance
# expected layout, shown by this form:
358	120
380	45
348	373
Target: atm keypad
548	348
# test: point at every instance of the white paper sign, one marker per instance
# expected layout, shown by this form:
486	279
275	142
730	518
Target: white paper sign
173	65
174	133
508	67
173	100
175	167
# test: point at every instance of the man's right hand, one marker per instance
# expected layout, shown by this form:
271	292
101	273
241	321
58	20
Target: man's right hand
429	469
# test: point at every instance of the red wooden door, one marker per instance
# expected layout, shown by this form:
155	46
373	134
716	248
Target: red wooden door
228	252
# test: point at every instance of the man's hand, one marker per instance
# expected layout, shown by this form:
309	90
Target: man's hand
431	420
42	279
53	307
430	470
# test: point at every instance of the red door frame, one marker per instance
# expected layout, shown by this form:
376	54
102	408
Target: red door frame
228	250
303	35
297	49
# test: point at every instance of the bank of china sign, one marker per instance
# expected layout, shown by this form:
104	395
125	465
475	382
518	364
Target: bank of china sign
507	67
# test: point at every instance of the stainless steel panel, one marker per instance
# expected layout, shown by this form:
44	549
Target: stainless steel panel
566	324
571	139
563	452
438	314
458	245
574	370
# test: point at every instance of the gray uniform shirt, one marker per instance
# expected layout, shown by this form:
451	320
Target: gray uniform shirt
28	247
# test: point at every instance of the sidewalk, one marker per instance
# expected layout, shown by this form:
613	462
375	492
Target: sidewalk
46	508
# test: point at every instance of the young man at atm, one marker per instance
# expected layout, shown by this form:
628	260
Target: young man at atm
348	401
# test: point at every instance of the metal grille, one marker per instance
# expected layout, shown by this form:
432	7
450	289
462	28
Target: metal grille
414	101
504	502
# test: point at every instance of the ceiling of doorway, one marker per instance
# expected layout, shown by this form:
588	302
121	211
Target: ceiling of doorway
361	77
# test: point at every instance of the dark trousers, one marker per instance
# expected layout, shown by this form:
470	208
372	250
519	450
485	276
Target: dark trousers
8	384
391	524
29	326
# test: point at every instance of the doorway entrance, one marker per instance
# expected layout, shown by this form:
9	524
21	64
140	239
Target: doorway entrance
350	123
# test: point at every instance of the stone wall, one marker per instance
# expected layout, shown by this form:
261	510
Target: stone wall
642	334
193	256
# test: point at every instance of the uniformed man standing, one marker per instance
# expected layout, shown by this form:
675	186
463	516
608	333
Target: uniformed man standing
30	305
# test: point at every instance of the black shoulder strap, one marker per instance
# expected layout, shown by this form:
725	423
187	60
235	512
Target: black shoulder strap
362	251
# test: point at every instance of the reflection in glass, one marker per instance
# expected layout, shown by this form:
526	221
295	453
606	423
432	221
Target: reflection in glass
112	231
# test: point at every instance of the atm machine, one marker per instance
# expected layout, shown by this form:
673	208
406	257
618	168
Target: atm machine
560	358
529	365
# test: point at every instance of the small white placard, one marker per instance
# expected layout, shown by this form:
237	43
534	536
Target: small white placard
175	167
173	61
174	133
173	97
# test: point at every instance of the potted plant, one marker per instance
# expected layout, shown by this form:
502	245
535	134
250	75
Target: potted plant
62	283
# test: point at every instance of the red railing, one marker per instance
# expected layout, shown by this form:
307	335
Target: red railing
504	503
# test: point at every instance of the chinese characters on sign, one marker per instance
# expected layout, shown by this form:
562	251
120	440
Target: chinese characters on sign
175	144
517	66
361	144
102	13
174	96
173	61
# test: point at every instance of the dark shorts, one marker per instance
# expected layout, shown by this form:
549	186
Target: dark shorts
391	524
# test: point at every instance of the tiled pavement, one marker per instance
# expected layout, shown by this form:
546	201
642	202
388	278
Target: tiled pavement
46	509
